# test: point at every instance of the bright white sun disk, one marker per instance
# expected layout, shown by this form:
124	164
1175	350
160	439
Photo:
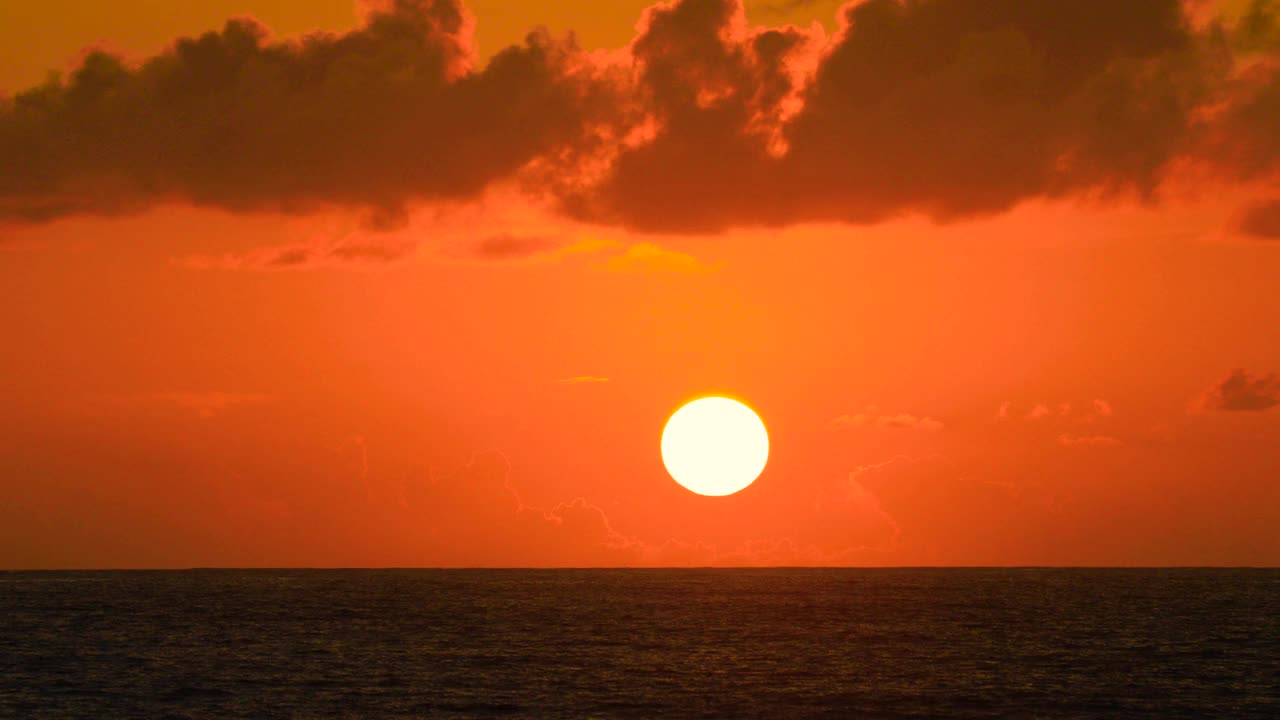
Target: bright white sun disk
715	446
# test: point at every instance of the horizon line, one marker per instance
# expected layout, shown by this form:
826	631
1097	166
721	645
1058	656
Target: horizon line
633	567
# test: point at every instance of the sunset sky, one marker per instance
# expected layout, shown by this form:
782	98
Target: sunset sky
417	283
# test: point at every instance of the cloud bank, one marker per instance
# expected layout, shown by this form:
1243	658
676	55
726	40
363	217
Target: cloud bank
948	108
390	113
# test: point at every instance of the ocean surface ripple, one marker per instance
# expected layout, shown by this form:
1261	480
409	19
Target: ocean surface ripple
768	643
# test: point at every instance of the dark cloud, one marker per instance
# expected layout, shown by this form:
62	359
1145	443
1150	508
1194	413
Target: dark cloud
1243	391
782	7
506	246
948	108
1241	138
378	117
973	105
1261	220
714	100
363	250
289	258
1259	28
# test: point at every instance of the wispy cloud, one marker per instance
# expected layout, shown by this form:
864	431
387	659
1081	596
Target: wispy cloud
306	256
1094	410
872	417
582	380
1074	441
206	404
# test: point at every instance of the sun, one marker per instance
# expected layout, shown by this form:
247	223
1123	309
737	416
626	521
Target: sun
715	446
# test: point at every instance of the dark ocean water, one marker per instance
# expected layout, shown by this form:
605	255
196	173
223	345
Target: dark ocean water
641	644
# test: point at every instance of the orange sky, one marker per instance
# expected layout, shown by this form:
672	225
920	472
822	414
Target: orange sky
1001	283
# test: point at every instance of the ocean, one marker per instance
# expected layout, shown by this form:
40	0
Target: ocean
736	643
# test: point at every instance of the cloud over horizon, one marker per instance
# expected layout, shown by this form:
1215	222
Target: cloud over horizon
1243	391
1261	220
946	108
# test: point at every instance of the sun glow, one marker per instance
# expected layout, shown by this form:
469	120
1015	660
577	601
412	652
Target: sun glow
715	446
